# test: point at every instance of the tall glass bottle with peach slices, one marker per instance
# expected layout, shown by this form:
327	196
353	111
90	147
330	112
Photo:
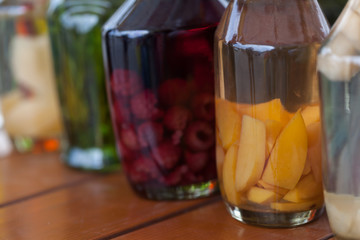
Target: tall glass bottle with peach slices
267	111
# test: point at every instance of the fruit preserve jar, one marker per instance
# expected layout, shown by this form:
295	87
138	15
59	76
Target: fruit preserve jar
339	68
267	111
159	56
75	32
27	87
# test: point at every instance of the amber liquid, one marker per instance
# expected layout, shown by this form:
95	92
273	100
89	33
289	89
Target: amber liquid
256	74
252	75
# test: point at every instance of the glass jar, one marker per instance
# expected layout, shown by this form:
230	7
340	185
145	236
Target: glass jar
159	56
27	87
339	68
267	111
75	31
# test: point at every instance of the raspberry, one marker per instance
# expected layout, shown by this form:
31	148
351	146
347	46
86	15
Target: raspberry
167	155
143	105
150	133
204	106
121	112
124	152
129	138
199	136
176	137
196	161
176	118
125	82
143	169
174	92
176	176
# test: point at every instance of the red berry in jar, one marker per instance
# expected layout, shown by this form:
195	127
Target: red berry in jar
125	82
150	134
167	155
174	91
200	136
176	118
144	105
162	85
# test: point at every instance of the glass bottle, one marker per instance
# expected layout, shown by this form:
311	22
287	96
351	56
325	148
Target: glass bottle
75	32
267	111
27	87
159	56
339	70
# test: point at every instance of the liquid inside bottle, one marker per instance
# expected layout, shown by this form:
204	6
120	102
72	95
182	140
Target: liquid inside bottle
161	85
267	111
339	68
75	31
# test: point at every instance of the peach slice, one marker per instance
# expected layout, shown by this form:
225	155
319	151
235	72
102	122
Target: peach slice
228	122
220	158
307	168
306	189
314	151
251	153
311	114
295	207
262	196
272	110
273	129
278	190
287	159
229	175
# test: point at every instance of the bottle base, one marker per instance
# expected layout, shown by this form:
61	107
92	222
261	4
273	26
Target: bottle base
92	159
192	191
274	219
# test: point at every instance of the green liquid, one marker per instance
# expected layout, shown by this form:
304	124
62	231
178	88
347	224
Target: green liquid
75	31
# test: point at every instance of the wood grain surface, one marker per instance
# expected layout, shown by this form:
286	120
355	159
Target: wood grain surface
22	176
40	198
213	222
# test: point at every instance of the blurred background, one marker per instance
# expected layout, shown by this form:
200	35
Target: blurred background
28	98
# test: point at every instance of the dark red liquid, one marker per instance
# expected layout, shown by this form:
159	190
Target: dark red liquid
162	94
161	89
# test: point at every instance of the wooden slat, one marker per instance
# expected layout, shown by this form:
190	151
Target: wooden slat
22	176
213	222
98	208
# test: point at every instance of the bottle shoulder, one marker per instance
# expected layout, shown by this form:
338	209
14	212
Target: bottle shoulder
164	15
267	23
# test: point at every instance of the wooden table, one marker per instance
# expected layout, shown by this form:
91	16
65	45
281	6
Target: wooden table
40	198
